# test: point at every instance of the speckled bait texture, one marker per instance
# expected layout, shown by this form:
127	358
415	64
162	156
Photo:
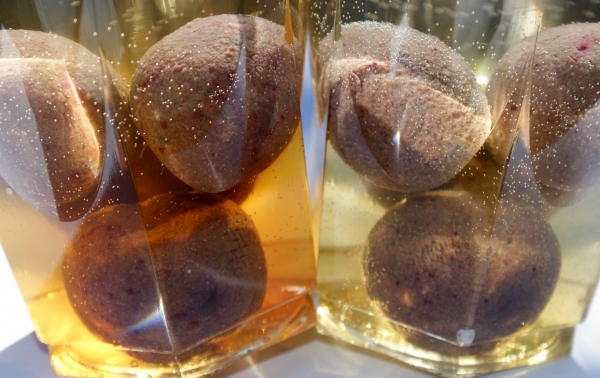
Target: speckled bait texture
435	264
218	99
405	111
52	116
198	257
564	125
49	146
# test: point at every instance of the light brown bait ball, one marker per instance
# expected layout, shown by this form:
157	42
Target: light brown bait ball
218	99
435	264
405	111
564	124
205	269
52	116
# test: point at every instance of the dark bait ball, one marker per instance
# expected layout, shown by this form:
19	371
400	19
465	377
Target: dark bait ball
438	264
218	99
190	270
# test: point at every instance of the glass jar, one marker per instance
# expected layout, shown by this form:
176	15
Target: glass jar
459	228
153	202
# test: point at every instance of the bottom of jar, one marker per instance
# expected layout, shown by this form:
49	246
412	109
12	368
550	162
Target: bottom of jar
262	330
373	332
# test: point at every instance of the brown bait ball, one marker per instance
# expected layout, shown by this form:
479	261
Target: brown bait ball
405	111
435	264
191	270
218	99
49	145
569	169
564	124
152	178
52	118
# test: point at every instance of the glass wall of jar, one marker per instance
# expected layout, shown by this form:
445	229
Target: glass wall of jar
459	229
153	147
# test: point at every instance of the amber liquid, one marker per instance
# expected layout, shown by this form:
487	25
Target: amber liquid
276	201
286	310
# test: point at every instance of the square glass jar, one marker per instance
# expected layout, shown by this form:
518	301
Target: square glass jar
459	228
153	202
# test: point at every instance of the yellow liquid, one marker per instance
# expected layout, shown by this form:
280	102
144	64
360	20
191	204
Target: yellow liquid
351	208
276	201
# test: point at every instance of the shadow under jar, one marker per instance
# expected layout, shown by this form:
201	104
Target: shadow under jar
459	228
151	146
